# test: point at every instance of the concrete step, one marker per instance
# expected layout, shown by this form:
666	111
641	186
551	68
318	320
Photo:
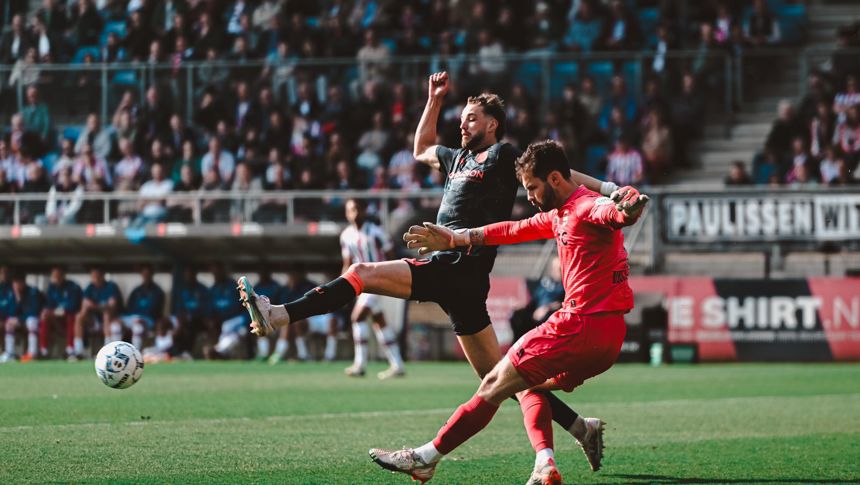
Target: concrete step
762	117
723	158
751	129
743	144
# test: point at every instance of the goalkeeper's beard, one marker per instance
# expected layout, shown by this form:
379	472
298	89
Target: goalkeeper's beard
549	201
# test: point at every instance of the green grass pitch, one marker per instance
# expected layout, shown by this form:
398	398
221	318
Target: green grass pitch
243	422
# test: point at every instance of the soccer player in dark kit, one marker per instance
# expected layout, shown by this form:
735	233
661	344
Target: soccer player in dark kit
480	188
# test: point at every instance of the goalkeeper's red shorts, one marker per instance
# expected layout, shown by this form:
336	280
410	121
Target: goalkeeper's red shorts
569	348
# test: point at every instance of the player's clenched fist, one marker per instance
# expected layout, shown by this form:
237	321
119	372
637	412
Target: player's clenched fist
438	85
429	238
629	201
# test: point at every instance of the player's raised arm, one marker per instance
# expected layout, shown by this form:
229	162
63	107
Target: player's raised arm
425	135
593	184
625	210
431	237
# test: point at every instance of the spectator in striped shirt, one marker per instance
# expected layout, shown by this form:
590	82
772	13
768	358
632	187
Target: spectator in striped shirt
625	164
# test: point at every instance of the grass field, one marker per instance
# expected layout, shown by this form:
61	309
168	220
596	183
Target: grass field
245	422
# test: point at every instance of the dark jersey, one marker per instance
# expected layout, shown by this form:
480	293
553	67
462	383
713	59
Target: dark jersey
480	188
30	304
102	294
7	300
225	304
67	296
190	300
146	300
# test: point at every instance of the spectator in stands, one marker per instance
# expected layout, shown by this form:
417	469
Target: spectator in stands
373	58
63	210
767	167
91	171
15	42
799	156
847	135
153	195
829	165
101	140
625	165
42	40
622	30
177	135
846	98
101	307
265	12
706	64
491	62
208	37
662	65
53	14
571	112
844	59
846	175
217	164
187	158
26	70
401	167
129	170
657	145
738	174
154	115
816	93
113	50
279	70
86	24
590	98
821	129
762	27
801	176
144	310
37	119
584	30
66	160
245	183
785	128
616	126
723	24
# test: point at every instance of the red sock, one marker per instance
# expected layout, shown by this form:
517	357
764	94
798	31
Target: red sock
43	334
352	277
466	421
537	417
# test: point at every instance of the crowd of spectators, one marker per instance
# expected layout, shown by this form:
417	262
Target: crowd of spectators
271	121
815	141
186	319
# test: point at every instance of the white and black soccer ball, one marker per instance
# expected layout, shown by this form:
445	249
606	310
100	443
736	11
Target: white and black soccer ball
119	365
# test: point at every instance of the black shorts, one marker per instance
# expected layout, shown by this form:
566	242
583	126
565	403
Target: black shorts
458	283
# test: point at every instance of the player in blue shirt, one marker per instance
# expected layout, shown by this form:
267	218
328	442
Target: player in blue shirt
63	300
268	286
227	313
145	308
101	307
297	284
27	304
190	312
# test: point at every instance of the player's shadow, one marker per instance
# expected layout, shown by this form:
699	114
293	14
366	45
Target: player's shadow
639	479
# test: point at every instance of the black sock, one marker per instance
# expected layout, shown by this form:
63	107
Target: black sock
321	300
561	412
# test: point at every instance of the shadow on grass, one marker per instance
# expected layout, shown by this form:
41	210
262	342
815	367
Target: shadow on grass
666	480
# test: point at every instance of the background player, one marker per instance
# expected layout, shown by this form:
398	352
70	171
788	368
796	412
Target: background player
27	303
268	286
297	285
63	299
145	308
363	241
579	341
101	306
480	188
190	312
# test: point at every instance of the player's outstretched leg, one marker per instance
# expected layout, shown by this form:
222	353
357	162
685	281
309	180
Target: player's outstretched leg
404	461
589	434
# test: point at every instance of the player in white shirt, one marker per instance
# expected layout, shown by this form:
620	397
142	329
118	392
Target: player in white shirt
366	242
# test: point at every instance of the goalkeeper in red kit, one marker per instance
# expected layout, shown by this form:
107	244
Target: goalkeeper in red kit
579	341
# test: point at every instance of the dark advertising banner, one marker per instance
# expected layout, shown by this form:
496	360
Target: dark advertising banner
814	319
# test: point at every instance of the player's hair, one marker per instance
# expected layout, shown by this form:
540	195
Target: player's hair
494	106
541	158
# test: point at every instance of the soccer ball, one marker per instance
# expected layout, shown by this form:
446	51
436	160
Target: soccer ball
119	365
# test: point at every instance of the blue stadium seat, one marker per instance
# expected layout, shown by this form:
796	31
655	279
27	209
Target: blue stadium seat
529	75
563	73
83	51
116	27
792	23
124	78
601	72
49	159
391	44
649	18
595	155
630	71
72	132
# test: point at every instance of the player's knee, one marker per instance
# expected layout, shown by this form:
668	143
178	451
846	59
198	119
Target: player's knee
363	270
489	386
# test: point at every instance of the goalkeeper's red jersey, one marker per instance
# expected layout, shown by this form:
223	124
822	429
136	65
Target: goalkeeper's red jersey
590	247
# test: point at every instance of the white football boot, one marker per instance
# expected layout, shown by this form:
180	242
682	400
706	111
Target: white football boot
258	306
592	444
546	474
404	461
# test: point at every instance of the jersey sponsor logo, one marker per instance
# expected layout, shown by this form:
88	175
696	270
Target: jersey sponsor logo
473	174
482	157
